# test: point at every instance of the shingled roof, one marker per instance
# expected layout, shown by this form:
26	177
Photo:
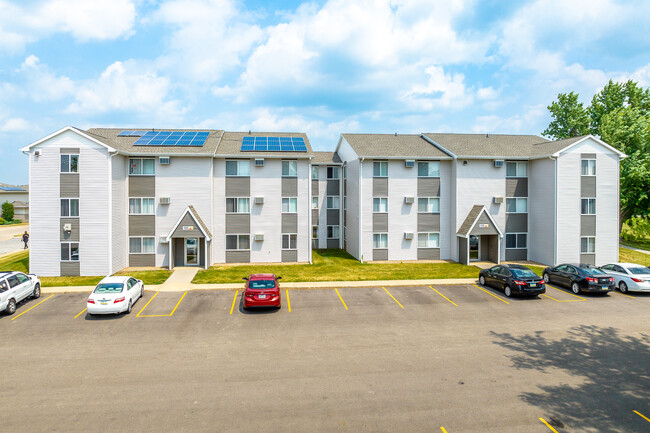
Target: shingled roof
231	145
109	136
393	145
326	158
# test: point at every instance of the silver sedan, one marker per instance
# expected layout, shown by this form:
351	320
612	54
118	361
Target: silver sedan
629	276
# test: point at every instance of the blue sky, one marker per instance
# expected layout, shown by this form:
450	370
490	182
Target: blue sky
321	67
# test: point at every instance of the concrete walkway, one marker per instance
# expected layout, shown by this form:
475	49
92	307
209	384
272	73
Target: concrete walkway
180	280
634	249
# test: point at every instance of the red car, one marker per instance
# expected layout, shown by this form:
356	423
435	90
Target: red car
262	290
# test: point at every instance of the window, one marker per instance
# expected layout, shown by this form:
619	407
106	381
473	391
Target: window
429	169
69	251
380	169
380	240
69	207
238	168
142	166
289	205
238	242
516	240
69	163
142	245
238	205
516	205
333	202
588	167
516	169
428	204
314	232
314	172
289	168
332	232
345	203
314	202
332	172
345	172
380	205
345	233
588	206
289	242
428	240
142	206
588	245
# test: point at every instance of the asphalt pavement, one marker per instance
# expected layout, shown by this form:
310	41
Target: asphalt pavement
8	242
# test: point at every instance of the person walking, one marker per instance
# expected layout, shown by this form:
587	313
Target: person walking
25	239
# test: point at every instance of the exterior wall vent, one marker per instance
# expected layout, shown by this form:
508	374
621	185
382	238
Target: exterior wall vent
259	200
165	200
409	163
259	236
259	162
67	227
408	200
497	200
498	163
408	235
37	152
165	160
162	239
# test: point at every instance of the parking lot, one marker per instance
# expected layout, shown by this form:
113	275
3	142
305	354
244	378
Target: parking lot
459	358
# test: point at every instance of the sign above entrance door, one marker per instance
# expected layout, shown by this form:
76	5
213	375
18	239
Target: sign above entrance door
188	228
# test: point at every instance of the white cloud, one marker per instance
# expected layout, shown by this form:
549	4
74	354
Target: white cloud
41	84
441	91
521	123
15	124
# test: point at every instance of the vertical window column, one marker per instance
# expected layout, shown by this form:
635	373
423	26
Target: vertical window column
588	208
516	236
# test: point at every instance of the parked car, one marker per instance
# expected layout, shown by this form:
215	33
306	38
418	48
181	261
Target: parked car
512	279
115	295
629	276
16	286
262	290
580	278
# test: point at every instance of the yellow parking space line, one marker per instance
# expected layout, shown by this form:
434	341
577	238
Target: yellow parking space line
160	315
32	307
557	300
145	305
491	294
443	430
177	304
641	415
443	297
624	294
564	291
83	311
393	297
288	302
233	301
548	425
341	298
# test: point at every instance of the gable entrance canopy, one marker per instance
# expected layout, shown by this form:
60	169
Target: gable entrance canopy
485	234
189	241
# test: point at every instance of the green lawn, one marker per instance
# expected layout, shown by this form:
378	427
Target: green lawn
629	256
337	265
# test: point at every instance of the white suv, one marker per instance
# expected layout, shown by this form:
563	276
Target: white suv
16	286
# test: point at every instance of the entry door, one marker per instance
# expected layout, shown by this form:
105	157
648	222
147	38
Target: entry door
191	251
474	248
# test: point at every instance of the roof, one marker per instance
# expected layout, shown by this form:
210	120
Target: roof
494	145
393	145
200	221
114	279
19	203
231	145
473	216
6	188
109	136
196	217
326	158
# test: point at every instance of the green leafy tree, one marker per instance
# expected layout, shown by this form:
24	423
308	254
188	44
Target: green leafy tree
570	118
7	211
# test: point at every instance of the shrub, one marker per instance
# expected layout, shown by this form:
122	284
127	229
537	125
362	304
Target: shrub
2	221
638	228
7	211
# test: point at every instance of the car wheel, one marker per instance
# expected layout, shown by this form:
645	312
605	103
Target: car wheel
575	288
11	307
37	291
481	280
622	287
546	278
130	307
507	291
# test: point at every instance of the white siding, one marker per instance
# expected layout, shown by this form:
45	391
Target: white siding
267	218
607	208
219	218
119	213
541	215
347	154
12	197
568	210
304	208
447	235
402	217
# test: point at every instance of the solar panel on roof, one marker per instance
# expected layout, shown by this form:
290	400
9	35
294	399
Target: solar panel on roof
11	188
173	138
131	133
273	144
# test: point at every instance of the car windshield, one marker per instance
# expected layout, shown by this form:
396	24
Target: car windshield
593	271
640	270
108	288
523	273
261	284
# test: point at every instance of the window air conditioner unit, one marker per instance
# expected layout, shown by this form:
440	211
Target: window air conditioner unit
67	227
497	200
259	236
37	152
162	239
165	200
259	162
408	200
498	163
409	163
165	160
408	235
259	200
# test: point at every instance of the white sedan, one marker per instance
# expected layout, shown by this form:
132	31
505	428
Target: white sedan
115	295
629	276
16	286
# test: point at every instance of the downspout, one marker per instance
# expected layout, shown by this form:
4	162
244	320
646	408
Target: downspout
341	207
110	212
361	209
555	213
309	211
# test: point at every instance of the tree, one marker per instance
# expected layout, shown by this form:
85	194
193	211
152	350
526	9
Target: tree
570	118
7	211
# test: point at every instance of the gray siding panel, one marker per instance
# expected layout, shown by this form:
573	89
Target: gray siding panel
238	186
380	187
188	221
589	259
588	156
142	225
72	150
289	255
517	254
462	250
588	186
238	256
428	253
289	187
70	269
314	217
314	187
517	223
289	223
517	187
69	185
428	187
489	230
142	186
333	187
428	222
142	260
238	223
380	223
178	248
314	244
71	236
333	217
379	254
332	243
587	225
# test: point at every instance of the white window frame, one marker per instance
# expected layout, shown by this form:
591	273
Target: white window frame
518	165
288	200
376	204
239	235
589	200
314	202
593	244
288	163
374	241
429	200
516	235
69	215
428	240
236	205
70	259
142	238
517	201
588	167
141	207
314	171
295	238
330	203
428	163
69	155
333	168
333	228
240	163
380	164
153	165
